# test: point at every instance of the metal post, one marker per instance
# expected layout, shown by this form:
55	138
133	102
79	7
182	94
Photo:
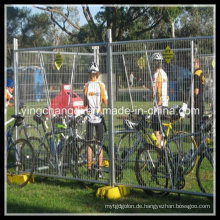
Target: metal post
96	54
192	86
129	89
15	67
110	106
49	108
71	84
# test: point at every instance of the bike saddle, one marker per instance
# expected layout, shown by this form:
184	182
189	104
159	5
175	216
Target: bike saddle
18	119
17	116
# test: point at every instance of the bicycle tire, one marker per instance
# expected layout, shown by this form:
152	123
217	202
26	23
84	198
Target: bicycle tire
78	155
204	174
183	148
153	162
124	142
117	158
75	156
25	165
41	155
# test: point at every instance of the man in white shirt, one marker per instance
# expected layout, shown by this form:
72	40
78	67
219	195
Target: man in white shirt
160	82
94	95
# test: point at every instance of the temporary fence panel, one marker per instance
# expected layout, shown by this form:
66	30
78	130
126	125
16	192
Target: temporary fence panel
135	97
47	75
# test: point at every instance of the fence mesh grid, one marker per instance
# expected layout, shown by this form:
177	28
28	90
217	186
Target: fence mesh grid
41	83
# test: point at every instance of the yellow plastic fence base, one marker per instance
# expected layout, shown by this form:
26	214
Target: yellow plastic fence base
105	163
21	178
112	192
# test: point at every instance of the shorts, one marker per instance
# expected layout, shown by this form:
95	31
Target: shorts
155	123
98	129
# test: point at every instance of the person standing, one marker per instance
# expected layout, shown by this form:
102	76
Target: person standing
199	83
8	94
160	96
94	95
131	79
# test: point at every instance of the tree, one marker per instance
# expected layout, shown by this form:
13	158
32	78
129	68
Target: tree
16	20
196	21
170	14
120	19
36	29
66	18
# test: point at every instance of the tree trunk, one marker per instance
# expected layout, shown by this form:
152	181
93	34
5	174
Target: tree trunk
173	29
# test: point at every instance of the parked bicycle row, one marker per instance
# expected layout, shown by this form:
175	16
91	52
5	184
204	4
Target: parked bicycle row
62	150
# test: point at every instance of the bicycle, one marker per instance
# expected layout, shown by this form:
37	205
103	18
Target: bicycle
121	160
27	130
56	150
20	155
149	136
161	168
78	156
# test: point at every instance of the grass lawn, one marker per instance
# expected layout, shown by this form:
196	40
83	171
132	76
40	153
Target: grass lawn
49	195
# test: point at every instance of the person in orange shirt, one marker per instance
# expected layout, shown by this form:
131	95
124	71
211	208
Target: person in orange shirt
8	92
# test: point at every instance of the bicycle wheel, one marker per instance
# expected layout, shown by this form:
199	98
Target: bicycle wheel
20	161
205	173
151	169
81	126
42	155
78	158
29	130
126	140
185	146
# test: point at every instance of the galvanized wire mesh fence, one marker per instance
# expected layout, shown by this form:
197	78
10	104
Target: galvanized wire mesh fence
46	77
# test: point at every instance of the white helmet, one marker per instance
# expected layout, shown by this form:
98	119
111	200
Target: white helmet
157	56
129	125
93	68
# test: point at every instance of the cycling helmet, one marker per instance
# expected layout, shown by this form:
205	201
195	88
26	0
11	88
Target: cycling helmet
157	56
129	125
93	68
183	110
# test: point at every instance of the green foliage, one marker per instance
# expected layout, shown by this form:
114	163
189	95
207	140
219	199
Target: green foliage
36	29
60	25
196	21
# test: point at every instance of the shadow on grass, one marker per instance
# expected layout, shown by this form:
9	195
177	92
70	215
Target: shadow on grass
16	207
138	201
82	199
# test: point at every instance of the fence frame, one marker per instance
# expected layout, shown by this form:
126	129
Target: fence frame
109	63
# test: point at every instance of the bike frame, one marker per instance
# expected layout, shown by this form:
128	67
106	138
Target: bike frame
202	148
140	139
10	142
